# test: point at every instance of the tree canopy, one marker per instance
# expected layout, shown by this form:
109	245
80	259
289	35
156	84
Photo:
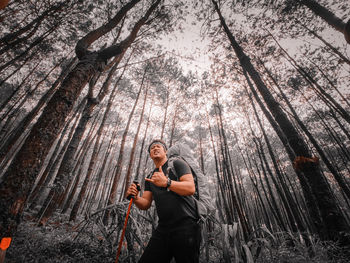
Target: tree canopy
259	91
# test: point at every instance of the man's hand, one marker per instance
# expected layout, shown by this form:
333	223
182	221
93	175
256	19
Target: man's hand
158	178
132	191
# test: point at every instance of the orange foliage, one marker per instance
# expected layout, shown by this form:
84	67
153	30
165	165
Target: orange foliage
5	243
300	161
3	3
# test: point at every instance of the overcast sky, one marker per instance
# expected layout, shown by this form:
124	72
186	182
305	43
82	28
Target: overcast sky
190	48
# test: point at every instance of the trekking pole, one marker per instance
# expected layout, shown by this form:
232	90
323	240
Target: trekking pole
131	198
5	243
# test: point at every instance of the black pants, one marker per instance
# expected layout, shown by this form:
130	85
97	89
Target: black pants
181	242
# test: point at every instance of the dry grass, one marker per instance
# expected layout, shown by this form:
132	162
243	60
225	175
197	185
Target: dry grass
57	242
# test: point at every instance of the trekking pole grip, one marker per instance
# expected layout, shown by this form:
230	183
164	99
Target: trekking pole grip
137	187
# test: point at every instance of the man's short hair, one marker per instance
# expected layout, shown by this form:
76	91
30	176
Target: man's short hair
157	141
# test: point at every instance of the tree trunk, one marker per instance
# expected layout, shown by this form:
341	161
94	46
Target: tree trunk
55	159
3	4
24	124
53	200
173	126
165	113
12	98
289	204
116	50
229	176
113	192
327	98
339	178
330	18
102	168
142	148
92	163
335	50
32	45
20	176
84	43
335	223
7	129
133	149
82	155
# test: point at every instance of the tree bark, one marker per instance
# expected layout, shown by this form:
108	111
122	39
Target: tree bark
142	148
54	161
24	124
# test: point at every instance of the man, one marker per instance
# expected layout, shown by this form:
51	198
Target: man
177	234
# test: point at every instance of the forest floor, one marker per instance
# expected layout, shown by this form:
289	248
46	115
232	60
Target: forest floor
57	242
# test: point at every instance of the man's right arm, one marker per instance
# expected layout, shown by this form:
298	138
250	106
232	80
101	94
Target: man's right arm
144	202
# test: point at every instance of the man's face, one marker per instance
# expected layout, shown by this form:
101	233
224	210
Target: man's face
157	151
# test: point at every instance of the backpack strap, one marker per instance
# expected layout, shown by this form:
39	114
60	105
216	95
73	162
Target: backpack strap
149	175
171	167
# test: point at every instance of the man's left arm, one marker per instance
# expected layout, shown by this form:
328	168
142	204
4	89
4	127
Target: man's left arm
185	185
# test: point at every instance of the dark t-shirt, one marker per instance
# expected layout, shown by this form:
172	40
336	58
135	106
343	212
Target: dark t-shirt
173	208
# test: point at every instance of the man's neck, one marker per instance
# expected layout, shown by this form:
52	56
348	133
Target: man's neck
159	162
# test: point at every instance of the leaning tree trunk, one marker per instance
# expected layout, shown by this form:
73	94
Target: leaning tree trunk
17	133
312	206
94	156
328	17
330	46
35	44
53	200
290	206
339	178
64	174
327	98
20	176
334	220
16	97
119	50
13	112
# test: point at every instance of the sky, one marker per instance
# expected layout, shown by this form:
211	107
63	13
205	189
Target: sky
190	48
